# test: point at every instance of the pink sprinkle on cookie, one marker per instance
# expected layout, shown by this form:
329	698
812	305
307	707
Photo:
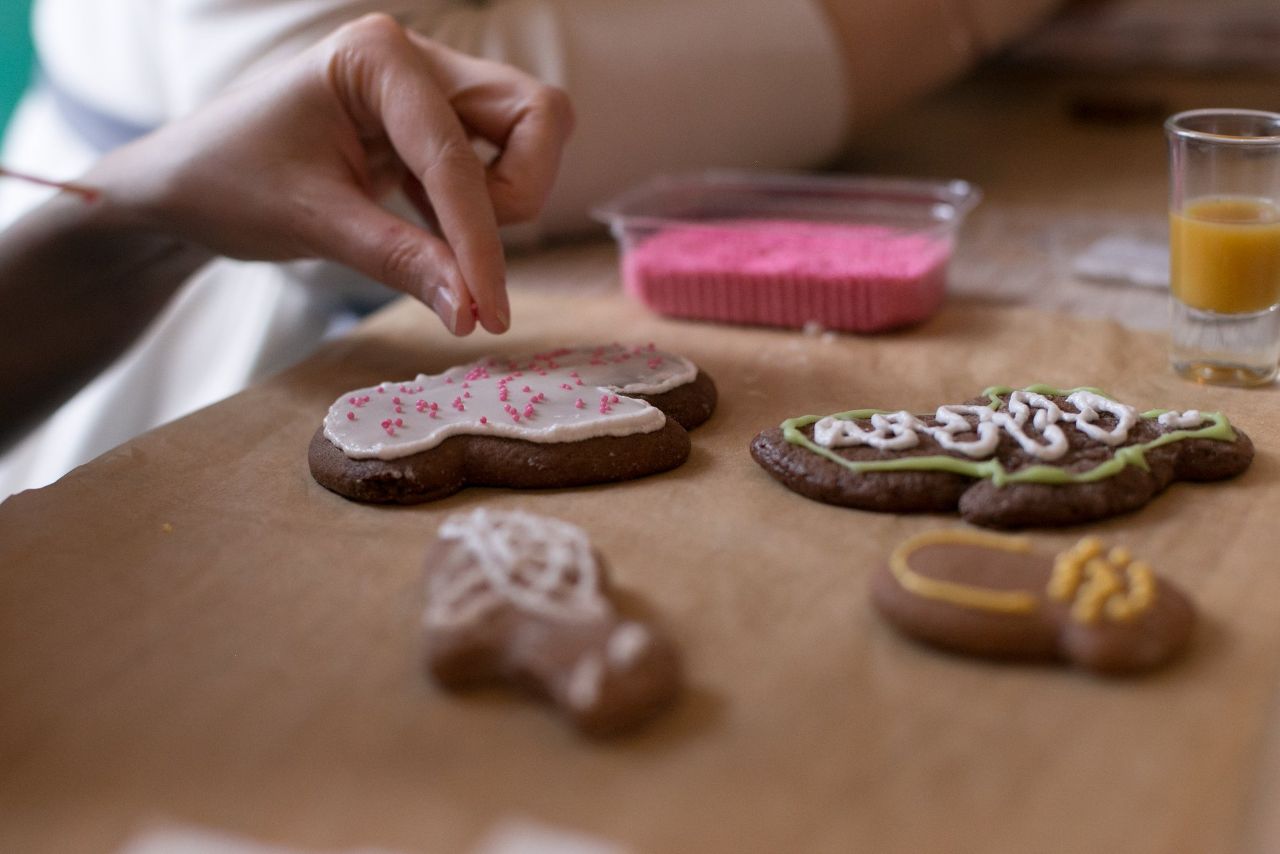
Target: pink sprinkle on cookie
859	278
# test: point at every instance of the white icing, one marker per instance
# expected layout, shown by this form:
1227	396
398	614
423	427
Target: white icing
583	688
562	396
541	566
1182	420
1046	439
625	644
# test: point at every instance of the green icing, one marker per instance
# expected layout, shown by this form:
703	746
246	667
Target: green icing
1219	429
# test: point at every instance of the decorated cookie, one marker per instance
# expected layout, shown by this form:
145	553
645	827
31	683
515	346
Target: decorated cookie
991	595
523	599
567	417
1012	458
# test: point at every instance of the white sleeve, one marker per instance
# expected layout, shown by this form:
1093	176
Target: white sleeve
657	85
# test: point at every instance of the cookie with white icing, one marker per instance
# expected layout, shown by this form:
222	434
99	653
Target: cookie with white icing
566	417
1011	458
524	599
994	595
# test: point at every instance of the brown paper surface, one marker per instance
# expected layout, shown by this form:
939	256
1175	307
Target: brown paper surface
192	630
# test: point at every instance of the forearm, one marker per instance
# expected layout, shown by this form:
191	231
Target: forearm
78	283
897	50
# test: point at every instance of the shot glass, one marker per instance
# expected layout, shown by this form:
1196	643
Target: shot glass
1224	244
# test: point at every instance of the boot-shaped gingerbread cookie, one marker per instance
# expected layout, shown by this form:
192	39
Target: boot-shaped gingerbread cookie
518	598
991	595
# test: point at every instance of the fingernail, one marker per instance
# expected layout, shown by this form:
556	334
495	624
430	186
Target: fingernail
445	304
504	314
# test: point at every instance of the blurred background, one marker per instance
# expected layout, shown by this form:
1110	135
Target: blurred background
15	53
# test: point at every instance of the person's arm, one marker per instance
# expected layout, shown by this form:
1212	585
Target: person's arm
288	166
896	51
76	288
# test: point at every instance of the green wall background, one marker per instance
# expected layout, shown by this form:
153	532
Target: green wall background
15	52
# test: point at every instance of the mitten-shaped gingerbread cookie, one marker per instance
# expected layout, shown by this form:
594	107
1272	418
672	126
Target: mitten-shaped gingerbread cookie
523	599
567	417
992	595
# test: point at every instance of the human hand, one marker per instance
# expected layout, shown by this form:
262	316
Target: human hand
292	165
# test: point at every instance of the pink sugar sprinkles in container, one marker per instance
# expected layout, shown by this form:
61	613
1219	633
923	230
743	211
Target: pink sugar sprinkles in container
847	253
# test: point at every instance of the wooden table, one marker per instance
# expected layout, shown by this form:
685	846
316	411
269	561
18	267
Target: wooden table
193	631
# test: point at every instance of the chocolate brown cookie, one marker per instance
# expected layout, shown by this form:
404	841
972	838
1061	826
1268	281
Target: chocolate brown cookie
568	417
524	600
991	595
1012	458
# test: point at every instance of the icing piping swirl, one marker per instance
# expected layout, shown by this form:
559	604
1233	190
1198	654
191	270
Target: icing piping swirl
898	427
540	565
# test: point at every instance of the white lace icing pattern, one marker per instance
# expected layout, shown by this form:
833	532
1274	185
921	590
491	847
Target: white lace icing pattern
541	566
564	395
1033	420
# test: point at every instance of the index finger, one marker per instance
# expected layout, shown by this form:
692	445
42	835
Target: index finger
391	88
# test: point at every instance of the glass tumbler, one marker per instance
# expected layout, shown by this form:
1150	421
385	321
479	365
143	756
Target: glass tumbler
1224	244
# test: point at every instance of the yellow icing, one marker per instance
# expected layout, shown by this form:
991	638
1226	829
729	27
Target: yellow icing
963	595
1094	586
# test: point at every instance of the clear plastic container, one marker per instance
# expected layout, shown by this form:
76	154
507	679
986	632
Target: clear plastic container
847	253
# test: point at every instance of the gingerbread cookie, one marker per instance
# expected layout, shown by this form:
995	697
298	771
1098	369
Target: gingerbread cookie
1012	458
991	595
523	599
569	417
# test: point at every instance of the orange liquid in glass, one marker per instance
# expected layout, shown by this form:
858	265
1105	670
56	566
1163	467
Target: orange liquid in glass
1225	254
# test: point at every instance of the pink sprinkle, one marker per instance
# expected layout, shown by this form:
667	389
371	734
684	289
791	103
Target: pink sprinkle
351	416
396	401
566	386
433	414
351	400
434	406
573	374
614	399
516	417
466	394
386	423
528	410
526	388
421	406
400	409
466	385
381	390
655	363
484	420
399	422
579	382
449	380
580	403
